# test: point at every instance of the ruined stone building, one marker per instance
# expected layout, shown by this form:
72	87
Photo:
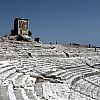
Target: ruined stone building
21	28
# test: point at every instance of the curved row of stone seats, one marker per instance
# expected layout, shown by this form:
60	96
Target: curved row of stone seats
75	94
94	80
42	51
15	78
87	85
6	75
84	76
6	70
47	52
21	56
87	89
42	64
26	88
80	52
92	61
64	63
70	75
23	89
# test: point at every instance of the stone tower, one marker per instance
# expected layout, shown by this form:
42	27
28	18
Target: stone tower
21	26
21	30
